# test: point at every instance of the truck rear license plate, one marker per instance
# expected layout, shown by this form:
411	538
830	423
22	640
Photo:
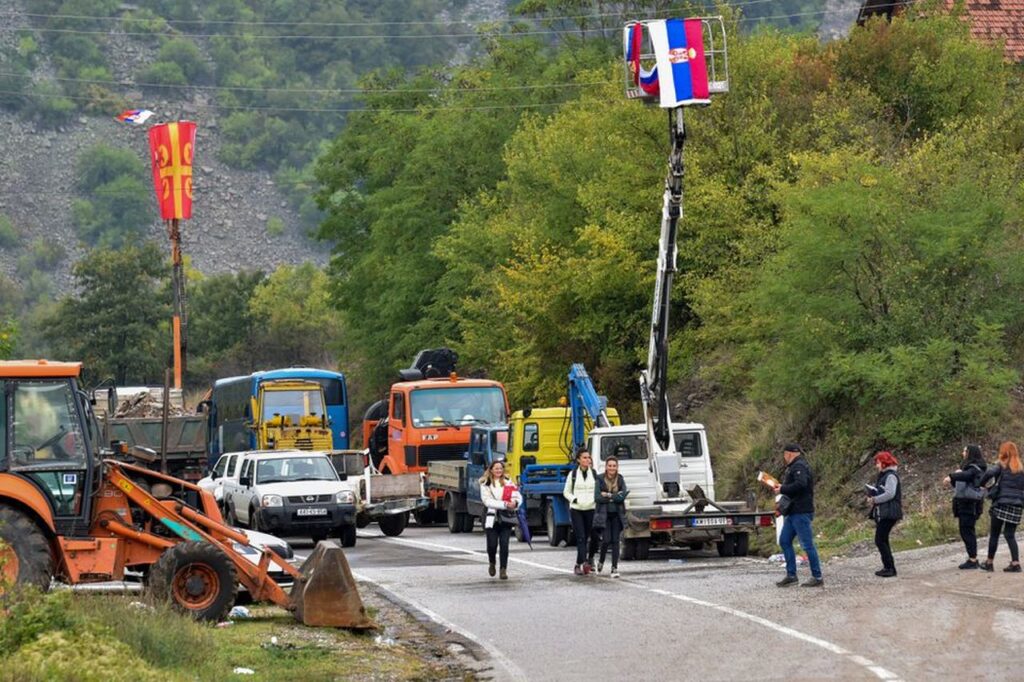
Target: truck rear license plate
712	521
315	511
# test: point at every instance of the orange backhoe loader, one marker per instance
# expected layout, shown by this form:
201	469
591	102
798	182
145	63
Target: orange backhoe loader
66	513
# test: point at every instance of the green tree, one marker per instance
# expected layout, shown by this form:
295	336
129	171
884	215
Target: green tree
118	207
292	320
114	325
221	326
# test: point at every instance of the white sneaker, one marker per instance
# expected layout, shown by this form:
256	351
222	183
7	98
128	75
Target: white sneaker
615	573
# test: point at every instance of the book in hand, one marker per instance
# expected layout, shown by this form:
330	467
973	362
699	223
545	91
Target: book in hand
767	479
872	490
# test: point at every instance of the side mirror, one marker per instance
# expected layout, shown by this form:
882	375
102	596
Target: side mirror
203	406
245	481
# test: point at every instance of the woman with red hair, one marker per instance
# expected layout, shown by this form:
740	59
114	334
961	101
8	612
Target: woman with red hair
886	499
1007	497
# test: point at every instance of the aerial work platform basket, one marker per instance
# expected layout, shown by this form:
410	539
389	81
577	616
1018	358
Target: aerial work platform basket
676	62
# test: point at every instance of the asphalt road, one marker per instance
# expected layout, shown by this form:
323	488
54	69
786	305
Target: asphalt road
693	615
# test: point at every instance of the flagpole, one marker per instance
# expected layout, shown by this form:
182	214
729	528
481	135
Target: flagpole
179	320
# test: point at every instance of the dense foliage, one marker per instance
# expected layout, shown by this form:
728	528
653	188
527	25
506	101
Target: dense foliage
849	252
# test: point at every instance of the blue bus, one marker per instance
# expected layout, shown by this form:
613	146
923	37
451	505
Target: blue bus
229	413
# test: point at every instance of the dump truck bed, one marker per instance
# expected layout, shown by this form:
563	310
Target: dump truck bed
186	442
447	475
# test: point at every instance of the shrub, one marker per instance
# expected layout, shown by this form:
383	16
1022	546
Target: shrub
163	76
9	235
48	105
275	226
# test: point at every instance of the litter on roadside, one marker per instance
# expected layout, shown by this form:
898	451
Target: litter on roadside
239	612
780	558
225	624
244	671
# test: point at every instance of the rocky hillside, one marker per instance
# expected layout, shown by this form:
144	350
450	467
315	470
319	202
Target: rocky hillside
231	210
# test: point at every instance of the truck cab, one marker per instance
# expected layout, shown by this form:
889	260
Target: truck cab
629	444
291	414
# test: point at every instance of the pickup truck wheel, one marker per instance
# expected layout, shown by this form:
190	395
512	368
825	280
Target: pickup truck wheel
643	548
197	579
742	547
254	520
727	545
25	558
454	518
628	549
393	525
348	536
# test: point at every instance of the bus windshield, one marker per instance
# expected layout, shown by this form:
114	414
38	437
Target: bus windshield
292	404
461	406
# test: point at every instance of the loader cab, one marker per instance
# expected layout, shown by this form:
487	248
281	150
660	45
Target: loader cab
48	437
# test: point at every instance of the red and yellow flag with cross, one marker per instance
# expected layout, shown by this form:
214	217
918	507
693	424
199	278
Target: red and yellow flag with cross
171	146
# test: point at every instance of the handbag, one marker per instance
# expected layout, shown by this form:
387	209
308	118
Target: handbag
508	517
783	504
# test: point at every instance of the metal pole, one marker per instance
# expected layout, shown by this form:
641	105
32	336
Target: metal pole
166	421
180	319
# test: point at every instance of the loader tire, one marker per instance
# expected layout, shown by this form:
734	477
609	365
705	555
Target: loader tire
26	559
393	525
195	578
347	536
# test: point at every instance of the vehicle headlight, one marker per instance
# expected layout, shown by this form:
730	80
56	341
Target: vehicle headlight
345	497
272	501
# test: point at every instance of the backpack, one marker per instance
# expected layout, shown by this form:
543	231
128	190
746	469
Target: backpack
969	491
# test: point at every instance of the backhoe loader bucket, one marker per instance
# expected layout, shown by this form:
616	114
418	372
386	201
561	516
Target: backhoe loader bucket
327	595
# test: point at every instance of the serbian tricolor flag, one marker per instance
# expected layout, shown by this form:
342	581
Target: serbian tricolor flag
645	79
136	116
171	146
682	70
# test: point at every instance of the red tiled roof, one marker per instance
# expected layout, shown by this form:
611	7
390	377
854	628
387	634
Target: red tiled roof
998	20
993	20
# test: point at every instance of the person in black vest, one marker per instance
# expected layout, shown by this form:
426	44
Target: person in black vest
797	509
610	515
1007	504
886	499
968	500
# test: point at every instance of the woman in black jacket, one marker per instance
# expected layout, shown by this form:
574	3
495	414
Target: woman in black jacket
1008	503
610	517
968	500
886	498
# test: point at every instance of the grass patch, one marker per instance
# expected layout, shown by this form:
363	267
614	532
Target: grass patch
63	635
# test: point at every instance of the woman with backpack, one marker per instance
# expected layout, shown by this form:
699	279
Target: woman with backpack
968	500
610	514
1007	495
886	498
501	498
579	489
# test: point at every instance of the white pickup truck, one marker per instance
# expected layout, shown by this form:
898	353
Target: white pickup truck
291	493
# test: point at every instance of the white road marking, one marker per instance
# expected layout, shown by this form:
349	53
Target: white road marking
514	671
878	671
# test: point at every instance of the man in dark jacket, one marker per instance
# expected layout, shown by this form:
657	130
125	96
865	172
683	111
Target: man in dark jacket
798	488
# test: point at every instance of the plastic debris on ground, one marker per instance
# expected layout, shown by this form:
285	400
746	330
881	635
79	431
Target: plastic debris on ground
239	612
381	640
140	605
781	559
225	624
244	671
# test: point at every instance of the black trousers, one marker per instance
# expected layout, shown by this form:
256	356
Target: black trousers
498	537
882	531
610	537
583	527
968	534
1009	531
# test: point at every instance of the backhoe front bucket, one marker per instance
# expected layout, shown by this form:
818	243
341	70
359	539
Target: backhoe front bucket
327	595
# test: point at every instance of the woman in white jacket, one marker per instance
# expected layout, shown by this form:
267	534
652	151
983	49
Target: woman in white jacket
493	494
579	491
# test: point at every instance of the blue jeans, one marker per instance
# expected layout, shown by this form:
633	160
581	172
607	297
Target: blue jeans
799	526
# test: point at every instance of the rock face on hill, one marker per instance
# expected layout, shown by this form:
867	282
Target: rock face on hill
228	231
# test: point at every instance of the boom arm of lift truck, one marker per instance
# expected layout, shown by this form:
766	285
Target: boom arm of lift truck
584	402
654	380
